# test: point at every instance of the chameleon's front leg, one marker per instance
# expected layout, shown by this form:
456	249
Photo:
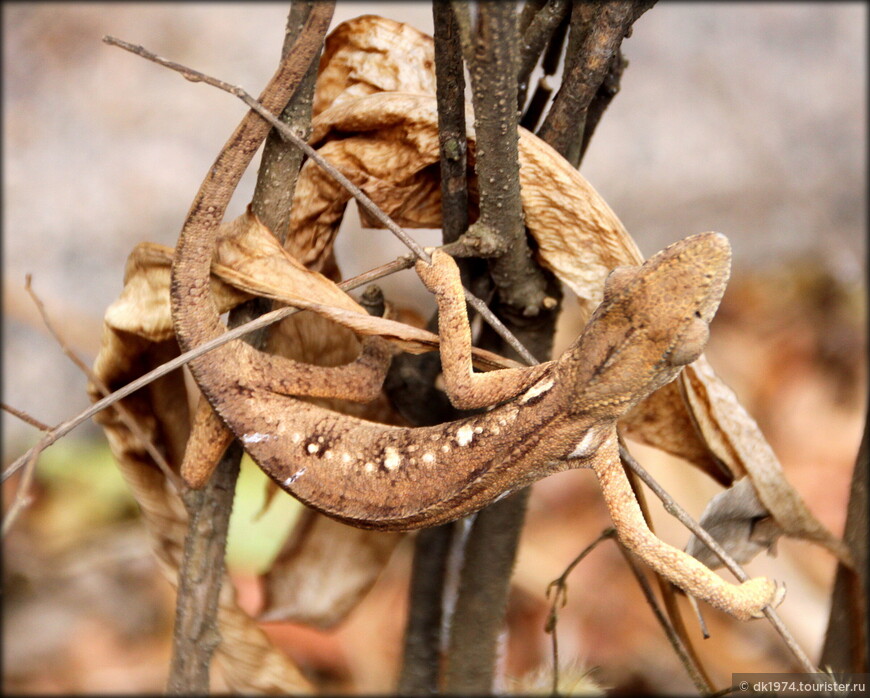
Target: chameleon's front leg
465	388
743	601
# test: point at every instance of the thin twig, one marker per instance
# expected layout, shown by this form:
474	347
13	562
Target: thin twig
361	197
686	653
128	419
22	494
279	166
24	417
597	31
677	511
559	588
682	652
453	144
535	39
30	458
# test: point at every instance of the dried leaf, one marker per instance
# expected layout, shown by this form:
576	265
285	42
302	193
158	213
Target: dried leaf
734	518
250	662
735	438
374	54
323	570
663	421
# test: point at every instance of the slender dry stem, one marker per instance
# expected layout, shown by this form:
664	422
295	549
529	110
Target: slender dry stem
410	383
683	653
201	573
24	417
559	590
129	420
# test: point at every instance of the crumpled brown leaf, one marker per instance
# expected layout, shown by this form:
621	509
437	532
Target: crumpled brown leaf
373	54
135	341
739	522
733	436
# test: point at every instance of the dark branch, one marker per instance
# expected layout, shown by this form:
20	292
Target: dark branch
597	31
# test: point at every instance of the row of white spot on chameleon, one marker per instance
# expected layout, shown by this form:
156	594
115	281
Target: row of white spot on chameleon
392	458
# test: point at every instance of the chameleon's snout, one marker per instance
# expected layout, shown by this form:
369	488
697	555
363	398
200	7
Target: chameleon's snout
715	248
707	257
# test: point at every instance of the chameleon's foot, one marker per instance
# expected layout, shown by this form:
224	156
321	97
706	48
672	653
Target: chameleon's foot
761	592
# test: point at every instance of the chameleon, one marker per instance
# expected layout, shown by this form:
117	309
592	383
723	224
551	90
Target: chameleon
559	415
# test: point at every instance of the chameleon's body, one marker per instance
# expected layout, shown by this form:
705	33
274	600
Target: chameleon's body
560	415
387	477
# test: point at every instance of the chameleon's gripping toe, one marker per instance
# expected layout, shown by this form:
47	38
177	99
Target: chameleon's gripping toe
768	592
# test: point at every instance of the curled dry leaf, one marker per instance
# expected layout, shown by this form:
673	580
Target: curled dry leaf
371	54
739	522
734	437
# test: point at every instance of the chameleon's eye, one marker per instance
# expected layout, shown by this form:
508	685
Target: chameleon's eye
690	343
618	280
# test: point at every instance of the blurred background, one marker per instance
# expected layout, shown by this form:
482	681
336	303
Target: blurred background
749	119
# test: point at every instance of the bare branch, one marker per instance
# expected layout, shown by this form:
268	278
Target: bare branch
22	494
528	303
128	419
535	39
683	653
686	652
279	166
201	573
847	638
483	593
597	30
559	590
24	417
410	383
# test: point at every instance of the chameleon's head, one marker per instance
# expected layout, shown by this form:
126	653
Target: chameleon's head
653	320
